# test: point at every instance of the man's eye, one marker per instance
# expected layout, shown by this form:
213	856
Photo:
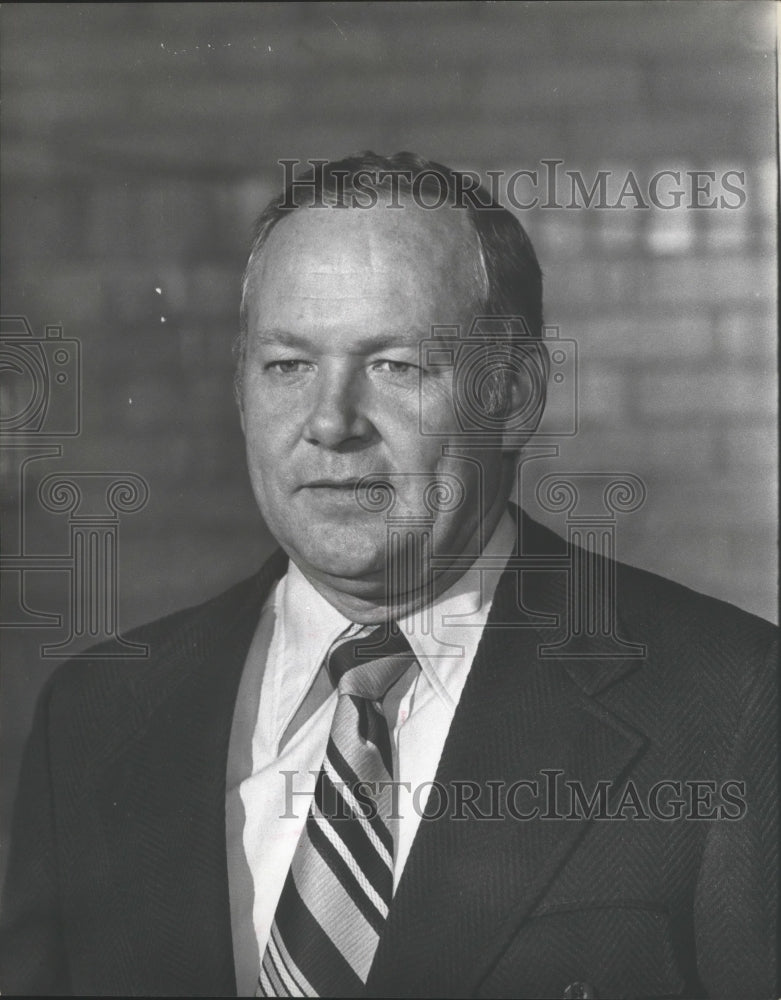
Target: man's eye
394	367
289	366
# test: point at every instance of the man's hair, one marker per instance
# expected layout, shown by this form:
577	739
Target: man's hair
508	272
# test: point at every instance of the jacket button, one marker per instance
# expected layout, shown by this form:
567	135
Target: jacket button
580	991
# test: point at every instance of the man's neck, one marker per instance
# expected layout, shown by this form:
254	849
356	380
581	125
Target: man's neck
376	603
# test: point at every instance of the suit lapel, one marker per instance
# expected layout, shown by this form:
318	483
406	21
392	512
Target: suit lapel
468	884
166	788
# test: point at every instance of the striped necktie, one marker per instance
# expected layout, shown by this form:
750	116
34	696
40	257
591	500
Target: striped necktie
336	896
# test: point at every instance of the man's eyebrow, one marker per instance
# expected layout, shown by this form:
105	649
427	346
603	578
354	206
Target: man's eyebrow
279	336
276	335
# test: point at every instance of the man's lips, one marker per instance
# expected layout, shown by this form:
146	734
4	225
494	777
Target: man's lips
362	482
331	484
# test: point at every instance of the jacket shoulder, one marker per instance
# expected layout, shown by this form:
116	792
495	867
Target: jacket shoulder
166	648
650	605
699	651
686	641
655	604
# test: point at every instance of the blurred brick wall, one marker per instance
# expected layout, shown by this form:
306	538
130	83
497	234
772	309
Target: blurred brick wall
139	140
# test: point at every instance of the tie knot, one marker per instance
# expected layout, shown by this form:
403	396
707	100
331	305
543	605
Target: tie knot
368	663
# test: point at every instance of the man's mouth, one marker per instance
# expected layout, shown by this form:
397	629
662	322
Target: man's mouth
331	484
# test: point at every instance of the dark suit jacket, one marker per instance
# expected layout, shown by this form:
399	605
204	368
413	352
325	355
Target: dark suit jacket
117	881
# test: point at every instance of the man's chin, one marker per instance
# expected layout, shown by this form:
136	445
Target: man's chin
353	570
332	552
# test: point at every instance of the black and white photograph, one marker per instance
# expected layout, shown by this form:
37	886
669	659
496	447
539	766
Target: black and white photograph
389	464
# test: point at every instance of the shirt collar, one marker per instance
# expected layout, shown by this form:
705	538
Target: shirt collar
307	626
444	636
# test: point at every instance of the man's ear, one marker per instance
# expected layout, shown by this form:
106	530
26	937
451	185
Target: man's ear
525	394
238	394
239	349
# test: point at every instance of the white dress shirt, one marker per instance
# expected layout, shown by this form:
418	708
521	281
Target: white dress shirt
266	808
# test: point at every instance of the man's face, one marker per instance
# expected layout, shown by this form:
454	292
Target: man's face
333	391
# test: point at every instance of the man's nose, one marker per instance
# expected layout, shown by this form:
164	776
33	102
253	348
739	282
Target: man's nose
337	416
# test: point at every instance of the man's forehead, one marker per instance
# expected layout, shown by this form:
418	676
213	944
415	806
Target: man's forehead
330	243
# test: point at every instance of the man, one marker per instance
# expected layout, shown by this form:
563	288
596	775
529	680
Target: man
341	777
